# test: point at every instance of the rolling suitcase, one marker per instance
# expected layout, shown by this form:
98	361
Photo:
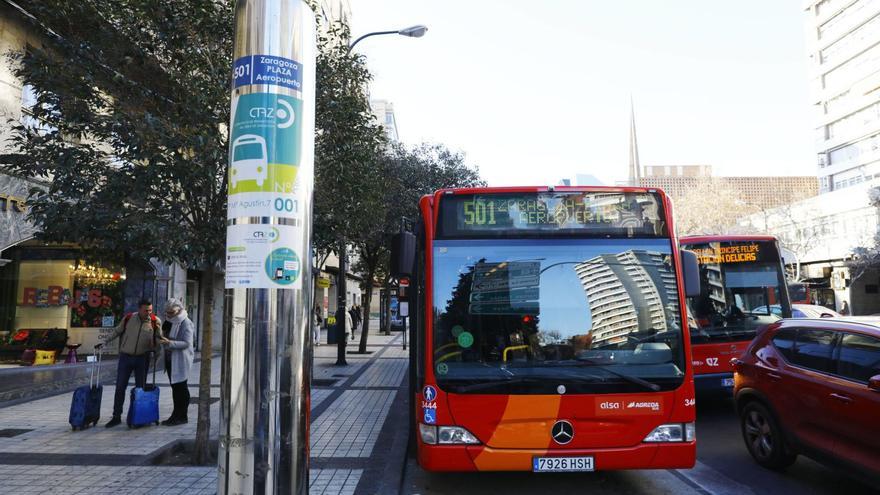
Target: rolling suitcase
143	408
85	407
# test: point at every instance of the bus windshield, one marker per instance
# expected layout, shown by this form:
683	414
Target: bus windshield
741	290
528	316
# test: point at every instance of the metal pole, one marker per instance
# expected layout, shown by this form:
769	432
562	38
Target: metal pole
264	414
342	338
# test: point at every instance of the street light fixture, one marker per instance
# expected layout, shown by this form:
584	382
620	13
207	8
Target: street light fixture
416	31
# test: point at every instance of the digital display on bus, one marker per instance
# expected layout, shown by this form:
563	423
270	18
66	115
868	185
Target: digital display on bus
625	214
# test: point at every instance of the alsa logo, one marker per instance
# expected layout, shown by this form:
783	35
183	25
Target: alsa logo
652	405
609	405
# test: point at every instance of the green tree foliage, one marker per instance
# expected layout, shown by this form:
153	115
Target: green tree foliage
348	142
132	96
402	176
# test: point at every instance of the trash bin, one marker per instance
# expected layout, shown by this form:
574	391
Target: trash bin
331	334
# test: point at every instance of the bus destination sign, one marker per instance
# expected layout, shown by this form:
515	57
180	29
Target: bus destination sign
612	212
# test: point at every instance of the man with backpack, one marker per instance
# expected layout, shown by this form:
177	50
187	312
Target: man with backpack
138	334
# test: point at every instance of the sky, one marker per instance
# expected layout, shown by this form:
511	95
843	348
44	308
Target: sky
533	92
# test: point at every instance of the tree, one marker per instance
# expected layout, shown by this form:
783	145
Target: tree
402	177
867	258
132	95
710	208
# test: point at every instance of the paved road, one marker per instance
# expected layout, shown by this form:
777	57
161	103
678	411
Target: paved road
720	446
723	467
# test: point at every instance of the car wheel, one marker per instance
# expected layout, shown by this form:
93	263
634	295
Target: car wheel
764	437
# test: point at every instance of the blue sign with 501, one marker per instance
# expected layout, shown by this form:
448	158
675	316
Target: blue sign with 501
267	69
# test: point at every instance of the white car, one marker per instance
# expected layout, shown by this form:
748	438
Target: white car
249	160
812	311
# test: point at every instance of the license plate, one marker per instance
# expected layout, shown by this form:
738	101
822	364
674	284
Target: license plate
562	464
727	382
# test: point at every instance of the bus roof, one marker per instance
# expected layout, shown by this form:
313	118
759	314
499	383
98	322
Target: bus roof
537	189
702	239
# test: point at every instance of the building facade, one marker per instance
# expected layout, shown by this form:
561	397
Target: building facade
754	192
821	234
843	41
384	112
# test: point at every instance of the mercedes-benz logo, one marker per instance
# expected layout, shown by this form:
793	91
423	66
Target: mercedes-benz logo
562	432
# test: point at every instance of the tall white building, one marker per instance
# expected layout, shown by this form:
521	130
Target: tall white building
384	112
843	40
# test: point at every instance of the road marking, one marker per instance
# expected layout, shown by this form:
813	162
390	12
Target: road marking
712	481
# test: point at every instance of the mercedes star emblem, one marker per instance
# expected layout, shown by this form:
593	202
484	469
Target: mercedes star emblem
562	432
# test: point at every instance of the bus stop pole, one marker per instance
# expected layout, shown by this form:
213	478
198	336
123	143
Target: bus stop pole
264	410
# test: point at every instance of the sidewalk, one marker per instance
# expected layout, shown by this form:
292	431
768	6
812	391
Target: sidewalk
354	409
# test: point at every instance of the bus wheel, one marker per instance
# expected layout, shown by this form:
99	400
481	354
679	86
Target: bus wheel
764	437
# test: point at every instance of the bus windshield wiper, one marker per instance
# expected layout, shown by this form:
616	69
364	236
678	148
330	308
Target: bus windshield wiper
629	378
510	380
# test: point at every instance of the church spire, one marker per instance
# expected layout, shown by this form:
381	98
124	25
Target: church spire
635	168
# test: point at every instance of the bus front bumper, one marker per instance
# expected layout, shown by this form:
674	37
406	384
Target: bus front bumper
680	455
714	384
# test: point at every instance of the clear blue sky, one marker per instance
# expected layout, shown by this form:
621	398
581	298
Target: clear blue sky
536	91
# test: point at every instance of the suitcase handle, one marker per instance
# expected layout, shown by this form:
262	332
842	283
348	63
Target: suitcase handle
95	374
155	362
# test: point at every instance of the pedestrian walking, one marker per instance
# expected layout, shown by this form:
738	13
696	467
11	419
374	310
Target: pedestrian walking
349	324
138	335
844	310
179	354
316	326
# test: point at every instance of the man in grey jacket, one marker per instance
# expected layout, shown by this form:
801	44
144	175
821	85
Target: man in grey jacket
138	335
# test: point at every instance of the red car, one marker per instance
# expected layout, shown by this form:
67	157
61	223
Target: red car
812	387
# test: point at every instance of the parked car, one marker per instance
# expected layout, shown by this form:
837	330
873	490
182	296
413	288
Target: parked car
812	311
812	387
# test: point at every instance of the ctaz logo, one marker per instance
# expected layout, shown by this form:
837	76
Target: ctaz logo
654	406
609	405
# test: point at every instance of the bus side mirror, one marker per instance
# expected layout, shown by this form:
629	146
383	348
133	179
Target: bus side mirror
403	254
690	273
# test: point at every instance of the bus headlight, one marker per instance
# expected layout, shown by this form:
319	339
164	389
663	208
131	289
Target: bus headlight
455	434
446	435
428	433
676	432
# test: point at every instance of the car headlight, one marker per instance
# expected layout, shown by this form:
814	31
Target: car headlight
675	432
446	435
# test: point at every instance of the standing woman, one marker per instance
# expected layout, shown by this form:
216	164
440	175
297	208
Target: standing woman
178	343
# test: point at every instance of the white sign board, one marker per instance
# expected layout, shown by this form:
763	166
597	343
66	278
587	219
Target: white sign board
263	257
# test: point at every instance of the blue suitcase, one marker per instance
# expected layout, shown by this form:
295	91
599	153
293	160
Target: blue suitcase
85	407
143	408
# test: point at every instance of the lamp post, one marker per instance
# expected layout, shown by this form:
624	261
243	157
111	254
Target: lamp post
416	31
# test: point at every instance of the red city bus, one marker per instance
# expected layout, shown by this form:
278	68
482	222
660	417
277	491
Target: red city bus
547	332
742	282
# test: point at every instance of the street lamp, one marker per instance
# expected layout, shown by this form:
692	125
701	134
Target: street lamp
416	31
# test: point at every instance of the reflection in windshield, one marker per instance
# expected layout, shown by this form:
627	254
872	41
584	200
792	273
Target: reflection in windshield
605	309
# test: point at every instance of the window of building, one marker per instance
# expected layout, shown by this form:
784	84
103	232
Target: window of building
854	69
845	20
864	35
49	293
